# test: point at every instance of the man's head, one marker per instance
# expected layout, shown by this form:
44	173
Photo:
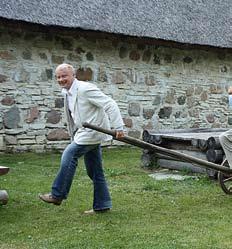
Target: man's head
65	75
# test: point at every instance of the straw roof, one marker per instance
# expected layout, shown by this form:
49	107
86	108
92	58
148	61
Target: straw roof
203	22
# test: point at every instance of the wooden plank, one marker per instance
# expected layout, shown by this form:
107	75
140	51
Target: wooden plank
189	136
4	170
187	130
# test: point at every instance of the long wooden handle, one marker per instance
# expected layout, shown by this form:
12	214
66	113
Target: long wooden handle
155	148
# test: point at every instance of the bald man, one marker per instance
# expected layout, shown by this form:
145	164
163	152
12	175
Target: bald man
84	102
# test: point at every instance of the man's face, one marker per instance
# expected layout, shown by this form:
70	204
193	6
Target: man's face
64	77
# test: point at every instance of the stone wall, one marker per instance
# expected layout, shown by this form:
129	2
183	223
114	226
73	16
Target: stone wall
155	85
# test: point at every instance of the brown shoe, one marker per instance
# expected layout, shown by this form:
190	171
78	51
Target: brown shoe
91	211
49	199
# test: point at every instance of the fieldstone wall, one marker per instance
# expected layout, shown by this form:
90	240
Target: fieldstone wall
155	86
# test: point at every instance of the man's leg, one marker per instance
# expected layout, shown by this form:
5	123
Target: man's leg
226	143
93	163
63	181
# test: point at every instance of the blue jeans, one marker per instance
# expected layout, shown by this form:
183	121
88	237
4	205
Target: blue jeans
93	162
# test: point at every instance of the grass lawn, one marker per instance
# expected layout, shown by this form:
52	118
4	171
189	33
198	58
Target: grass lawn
193	213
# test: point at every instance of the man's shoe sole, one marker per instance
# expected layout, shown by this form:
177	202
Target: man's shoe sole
53	201
90	212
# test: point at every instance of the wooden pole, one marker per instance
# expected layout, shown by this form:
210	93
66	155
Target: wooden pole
155	148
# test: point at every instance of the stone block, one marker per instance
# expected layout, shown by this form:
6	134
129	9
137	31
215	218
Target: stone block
40	139
27	141
134	55
11	118
53	117
8	101
118	78
148	113
3	78
165	112
134	109
2	143
85	74
32	114
38	148
58	134
10	140
128	122
123	52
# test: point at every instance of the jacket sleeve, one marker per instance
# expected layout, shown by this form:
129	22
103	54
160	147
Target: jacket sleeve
96	97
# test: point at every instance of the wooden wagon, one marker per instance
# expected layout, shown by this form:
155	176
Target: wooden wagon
224	171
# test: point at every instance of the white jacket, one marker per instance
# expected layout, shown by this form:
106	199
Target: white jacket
92	106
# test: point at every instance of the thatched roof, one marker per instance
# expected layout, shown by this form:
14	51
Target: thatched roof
204	22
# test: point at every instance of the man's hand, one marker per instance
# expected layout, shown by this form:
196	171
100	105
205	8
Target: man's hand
230	90
120	134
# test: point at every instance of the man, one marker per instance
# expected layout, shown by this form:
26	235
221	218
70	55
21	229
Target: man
84	102
226	137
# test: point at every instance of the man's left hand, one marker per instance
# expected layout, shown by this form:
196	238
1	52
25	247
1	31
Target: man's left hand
120	134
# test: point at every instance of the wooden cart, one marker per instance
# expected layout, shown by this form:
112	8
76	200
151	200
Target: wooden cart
224	171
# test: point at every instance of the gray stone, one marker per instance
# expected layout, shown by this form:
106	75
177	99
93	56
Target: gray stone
85	74
170	98
148	113
168	58
67	44
10	140
165	112
27	141
27	55
194	113
187	59
79	50
32	114
230	120
3	78
123	52
74	57
134	109
11	118
43	56
117	78
40	139
224	69
156	59
198	90
89	56
181	100
150	80
102	75
128	122
210	118
215	89
204	96
58	134
49	73
21	75
8	101
146	56
53	117
59	102
134	55
157	100
57	59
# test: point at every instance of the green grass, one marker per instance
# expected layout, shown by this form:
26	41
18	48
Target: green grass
194	213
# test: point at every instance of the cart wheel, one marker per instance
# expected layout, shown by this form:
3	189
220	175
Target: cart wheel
225	179
3	197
